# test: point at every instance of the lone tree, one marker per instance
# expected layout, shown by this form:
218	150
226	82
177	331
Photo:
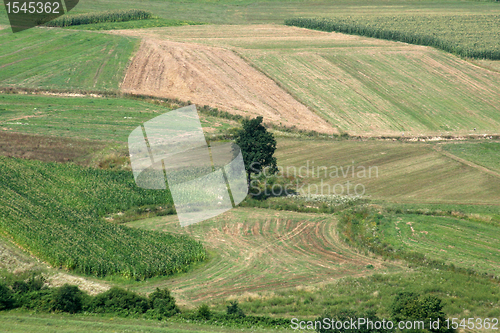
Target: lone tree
257	147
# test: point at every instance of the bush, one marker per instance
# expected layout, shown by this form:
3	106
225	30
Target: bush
344	315
34	283
6	297
120	301
162	304
204	312
39	300
411	306
234	310
67	299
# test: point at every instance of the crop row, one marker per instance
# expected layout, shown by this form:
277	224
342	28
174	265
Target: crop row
56	212
110	16
470	36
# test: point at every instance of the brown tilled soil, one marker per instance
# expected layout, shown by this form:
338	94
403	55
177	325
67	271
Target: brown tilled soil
47	149
217	77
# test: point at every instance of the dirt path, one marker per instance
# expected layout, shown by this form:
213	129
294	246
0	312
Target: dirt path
217	77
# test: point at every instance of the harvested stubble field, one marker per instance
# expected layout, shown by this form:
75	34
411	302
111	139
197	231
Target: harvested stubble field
359	85
407	172
257	250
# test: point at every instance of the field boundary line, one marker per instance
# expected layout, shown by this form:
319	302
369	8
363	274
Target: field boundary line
466	162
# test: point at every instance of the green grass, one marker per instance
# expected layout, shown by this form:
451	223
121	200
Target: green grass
472	36
64	59
27	322
55	212
486	154
465	244
275	11
103	119
462	295
137	24
90	118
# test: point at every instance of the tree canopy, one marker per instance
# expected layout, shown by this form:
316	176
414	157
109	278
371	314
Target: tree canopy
257	147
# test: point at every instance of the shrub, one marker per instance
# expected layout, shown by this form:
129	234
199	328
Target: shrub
162	303
344	315
234	310
67	299
204	312
6	297
411	306
39	300
120	301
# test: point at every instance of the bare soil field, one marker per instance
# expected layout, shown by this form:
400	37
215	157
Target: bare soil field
260	251
363	86
217	77
46	148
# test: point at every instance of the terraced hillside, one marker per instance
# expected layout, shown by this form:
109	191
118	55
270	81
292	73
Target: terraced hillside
359	85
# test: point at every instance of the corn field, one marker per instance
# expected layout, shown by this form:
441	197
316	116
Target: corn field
470	36
111	16
56	212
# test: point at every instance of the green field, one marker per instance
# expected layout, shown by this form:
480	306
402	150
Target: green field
294	283
275	11
471	36
407	172
88	117
141	24
64	59
486	154
462	295
16	321
466	244
437	199
105	119
55	212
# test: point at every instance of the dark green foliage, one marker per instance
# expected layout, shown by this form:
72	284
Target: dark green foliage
111	16
6	297
257	146
224	319
409	29
55	211
162	304
34	283
344	315
234	310
35	300
67	299
203	312
120	301
411	306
